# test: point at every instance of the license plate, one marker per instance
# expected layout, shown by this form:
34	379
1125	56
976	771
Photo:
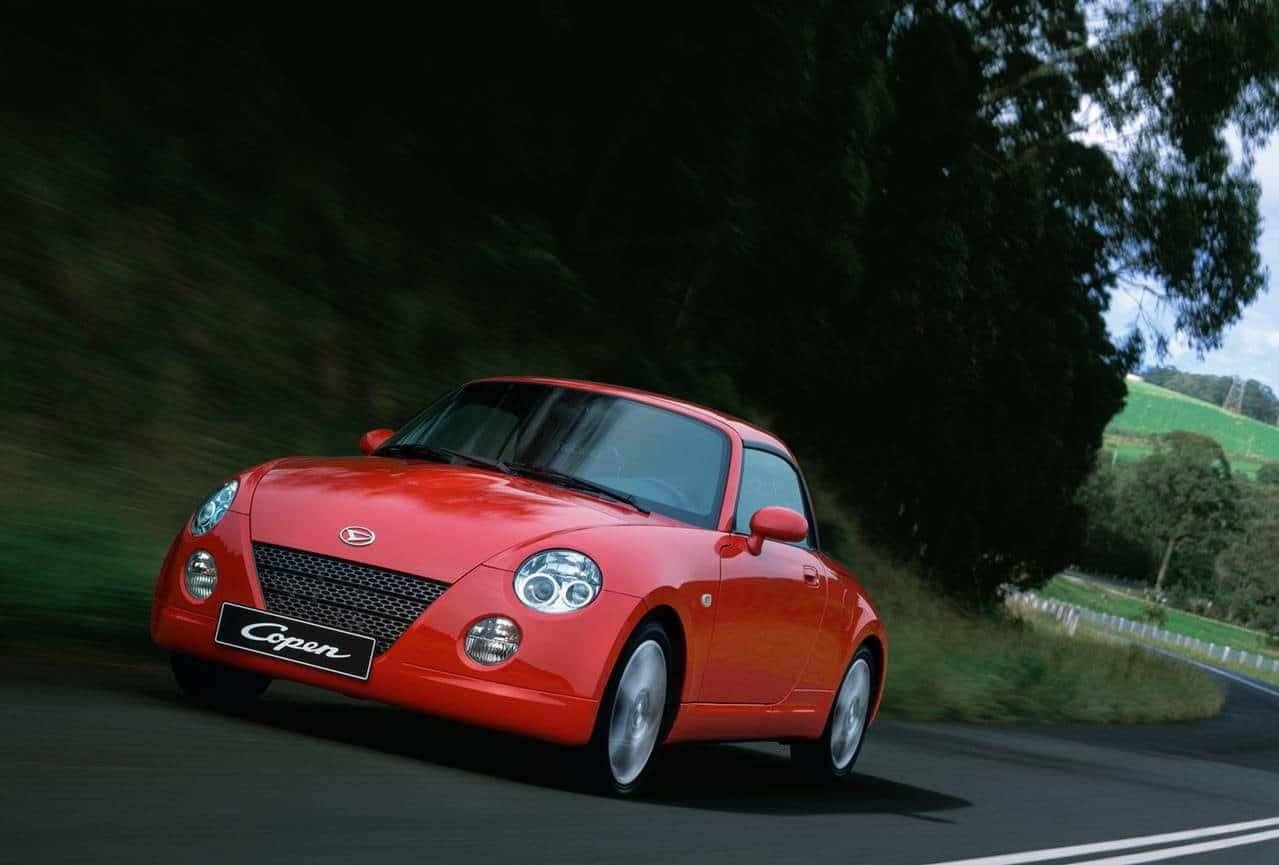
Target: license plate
294	640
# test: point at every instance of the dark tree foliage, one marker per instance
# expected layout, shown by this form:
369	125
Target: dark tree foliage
1112	545
1259	401
875	226
1182	494
1245	569
1171	75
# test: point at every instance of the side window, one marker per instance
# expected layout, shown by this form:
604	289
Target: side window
767	479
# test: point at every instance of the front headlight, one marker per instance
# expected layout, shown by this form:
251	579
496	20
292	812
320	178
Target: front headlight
558	581
214	508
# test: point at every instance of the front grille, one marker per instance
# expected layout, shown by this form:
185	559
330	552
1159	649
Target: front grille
342	594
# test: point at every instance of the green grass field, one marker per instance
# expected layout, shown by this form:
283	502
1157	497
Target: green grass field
1152	410
1128	451
1104	599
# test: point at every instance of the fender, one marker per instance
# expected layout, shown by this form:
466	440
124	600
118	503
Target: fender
850	607
677	570
864	624
249	479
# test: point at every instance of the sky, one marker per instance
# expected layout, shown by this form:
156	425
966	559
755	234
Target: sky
1250	347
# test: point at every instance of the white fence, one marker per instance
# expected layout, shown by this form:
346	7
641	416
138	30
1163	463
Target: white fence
1070	616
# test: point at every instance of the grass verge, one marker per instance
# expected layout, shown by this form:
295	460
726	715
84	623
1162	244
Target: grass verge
1104	599
948	664
1246	669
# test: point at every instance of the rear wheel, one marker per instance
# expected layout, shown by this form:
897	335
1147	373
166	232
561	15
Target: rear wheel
633	715
217	684
831	757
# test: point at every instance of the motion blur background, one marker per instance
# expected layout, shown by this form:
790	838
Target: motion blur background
874	227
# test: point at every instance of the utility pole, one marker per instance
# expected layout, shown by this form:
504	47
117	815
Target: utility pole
1234	399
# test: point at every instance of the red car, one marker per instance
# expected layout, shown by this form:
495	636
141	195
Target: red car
575	562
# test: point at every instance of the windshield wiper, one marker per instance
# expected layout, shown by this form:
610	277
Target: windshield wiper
563	479
452	457
441	455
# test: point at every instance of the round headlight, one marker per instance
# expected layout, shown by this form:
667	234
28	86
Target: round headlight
491	641
558	581
539	590
214	508
578	594
200	575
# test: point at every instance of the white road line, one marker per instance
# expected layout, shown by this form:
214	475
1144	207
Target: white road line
1128	843
1185	850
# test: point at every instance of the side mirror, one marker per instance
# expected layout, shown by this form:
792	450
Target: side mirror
374	439
777	524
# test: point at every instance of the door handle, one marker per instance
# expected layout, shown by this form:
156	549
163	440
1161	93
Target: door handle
810	575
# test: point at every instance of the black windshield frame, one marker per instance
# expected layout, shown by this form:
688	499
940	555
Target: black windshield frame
419	428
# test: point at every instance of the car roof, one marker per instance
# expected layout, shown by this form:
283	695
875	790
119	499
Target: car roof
749	433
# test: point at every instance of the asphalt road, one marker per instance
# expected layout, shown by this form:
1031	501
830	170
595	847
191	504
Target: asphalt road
107	763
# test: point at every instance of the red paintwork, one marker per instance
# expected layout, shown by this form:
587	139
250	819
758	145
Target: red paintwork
374	439
775	523
431	519
769	612
762	661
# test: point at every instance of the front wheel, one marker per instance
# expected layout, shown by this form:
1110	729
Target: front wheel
831	757
217	684
633	714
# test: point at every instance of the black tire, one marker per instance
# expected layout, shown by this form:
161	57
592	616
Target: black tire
814	758
216	684
597	770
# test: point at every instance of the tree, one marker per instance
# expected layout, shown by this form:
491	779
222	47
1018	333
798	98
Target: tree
1268	474
1156	83
1249	567
1183	492
995	230
879	226
1109	544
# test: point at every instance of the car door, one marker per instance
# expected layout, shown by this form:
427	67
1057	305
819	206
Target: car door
769	606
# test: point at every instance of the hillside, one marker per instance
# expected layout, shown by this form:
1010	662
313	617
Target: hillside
1259	400
1152	410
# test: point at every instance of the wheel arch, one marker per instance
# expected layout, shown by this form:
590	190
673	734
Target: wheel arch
669	619
875	643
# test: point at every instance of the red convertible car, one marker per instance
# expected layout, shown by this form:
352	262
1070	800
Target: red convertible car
575	562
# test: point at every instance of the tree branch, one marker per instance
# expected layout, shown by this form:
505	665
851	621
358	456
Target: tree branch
1043	70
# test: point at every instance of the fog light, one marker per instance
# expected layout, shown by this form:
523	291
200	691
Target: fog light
493	640
200	574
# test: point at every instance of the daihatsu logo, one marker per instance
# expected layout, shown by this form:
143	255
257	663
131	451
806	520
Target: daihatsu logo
357	536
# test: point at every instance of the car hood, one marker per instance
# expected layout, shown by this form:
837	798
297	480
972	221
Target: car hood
431	519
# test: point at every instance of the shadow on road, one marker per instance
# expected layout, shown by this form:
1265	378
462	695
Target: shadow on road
732	778
699	776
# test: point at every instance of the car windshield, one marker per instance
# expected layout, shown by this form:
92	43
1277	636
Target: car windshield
659	459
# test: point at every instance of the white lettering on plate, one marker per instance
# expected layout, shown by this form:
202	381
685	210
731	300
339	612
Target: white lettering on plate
278	641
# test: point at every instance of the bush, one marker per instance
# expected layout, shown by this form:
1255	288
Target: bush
1155	614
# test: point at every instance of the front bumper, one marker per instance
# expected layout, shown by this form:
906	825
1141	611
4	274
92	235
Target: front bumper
549	690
